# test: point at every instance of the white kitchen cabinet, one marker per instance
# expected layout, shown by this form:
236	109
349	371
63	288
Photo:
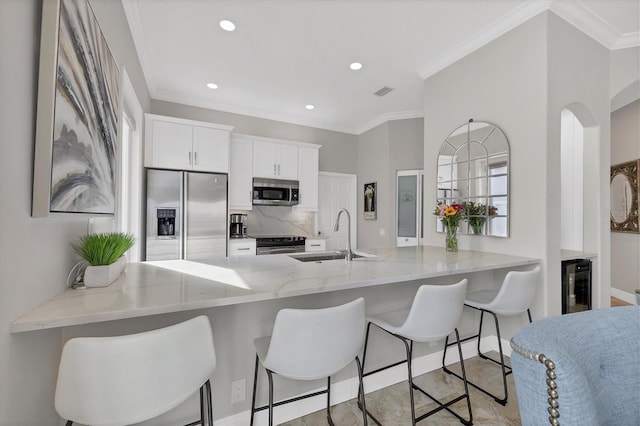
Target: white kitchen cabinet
275	160
241	174
308	168
210	149
174	143
315	244
242	247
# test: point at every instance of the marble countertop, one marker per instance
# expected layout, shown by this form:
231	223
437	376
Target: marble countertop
572	254
151	288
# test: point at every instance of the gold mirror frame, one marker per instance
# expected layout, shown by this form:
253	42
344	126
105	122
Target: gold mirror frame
631	172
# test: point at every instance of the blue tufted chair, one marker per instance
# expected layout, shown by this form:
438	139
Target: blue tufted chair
579	369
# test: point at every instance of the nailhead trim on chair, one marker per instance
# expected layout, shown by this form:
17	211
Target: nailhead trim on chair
552	386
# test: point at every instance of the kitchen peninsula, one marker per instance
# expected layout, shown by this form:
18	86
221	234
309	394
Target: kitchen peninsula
152	288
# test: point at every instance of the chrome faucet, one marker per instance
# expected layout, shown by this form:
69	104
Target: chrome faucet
349	256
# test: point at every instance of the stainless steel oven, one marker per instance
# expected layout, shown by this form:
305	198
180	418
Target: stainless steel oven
279	244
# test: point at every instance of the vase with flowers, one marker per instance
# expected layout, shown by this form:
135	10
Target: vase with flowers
477	215
450	216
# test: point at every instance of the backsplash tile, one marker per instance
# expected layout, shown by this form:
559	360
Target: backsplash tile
278	220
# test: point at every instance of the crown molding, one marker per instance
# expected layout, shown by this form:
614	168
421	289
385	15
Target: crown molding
574	12
390	116
134	17
489	33
627	40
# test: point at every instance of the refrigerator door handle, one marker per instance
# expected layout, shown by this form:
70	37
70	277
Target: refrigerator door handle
183	221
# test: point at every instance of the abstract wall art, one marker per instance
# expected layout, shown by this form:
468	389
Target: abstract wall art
77	122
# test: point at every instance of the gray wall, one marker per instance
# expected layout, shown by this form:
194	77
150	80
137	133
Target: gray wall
578	79
35	255
521	81
338	154
625	248
382	151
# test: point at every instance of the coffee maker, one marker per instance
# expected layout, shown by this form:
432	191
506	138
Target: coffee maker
238	225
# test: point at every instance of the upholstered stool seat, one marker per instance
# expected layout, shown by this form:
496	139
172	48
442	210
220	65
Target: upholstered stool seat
514	297
310	344
433	316
123	380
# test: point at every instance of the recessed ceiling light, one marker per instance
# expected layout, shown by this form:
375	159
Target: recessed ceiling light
309	107
212	85
355	66
227	25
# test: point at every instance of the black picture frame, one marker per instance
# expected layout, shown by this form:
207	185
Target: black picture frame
370	200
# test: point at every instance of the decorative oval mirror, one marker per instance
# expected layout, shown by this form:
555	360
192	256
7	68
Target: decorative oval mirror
473	171
624	197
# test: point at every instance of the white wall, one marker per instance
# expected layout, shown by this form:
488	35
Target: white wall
625	248
572	203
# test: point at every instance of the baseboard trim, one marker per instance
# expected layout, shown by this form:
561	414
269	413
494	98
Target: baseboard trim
623	295
348	389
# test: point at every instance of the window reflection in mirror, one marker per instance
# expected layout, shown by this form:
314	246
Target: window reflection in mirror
473	170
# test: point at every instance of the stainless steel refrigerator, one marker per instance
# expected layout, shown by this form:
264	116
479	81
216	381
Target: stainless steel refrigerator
186	215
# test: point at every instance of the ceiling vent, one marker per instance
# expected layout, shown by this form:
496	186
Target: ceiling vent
383	91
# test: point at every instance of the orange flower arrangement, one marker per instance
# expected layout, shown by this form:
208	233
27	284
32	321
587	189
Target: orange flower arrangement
450	215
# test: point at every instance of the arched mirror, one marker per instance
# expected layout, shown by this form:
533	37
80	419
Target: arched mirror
473	171
624	196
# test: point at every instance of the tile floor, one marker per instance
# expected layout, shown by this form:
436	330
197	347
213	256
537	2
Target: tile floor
391	405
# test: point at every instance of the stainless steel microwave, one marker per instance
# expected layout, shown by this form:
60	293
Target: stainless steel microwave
275	192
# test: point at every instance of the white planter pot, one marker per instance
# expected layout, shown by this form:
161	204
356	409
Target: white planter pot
103	275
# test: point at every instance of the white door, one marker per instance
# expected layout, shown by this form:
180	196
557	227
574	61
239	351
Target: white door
409	214
337	191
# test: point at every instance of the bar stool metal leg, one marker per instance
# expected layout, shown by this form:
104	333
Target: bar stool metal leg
408	344
255	386
505	369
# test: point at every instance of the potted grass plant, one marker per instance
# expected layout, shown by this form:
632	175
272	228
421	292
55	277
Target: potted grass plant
104	254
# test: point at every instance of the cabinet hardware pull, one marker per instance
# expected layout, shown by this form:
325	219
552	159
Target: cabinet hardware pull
243	248
190	158
314	245
274	168
195	158
278	169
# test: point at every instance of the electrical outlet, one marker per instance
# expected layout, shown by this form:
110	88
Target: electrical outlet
238	390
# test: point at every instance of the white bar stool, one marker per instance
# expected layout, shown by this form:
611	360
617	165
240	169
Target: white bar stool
514	297
434	314
311	344
128	379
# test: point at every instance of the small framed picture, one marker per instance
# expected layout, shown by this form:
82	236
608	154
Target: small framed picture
370	198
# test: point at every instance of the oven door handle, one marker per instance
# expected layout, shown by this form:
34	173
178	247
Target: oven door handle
279	250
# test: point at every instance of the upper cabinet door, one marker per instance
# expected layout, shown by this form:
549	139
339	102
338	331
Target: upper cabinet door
265	159
175	143
210	149
240	175
308	162
287	162
275	160
169	145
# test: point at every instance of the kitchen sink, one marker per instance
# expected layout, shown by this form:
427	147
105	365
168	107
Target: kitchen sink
321	257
